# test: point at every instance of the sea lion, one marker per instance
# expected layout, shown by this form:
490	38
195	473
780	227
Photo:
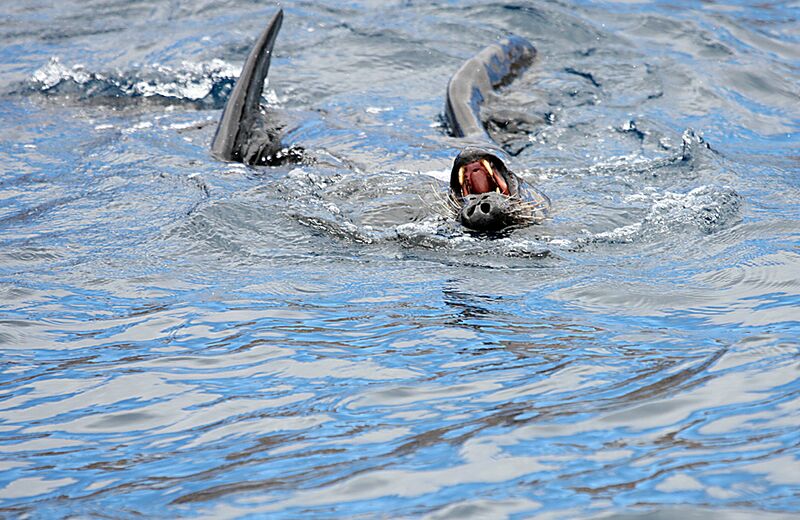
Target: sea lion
485	194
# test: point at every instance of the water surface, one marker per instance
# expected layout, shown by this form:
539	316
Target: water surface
183	337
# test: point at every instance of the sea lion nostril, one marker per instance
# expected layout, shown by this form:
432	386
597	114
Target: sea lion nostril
470	211
486	207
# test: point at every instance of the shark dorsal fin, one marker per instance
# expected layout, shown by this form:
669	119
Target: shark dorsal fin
242	106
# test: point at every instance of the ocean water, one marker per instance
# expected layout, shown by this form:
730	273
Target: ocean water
183	337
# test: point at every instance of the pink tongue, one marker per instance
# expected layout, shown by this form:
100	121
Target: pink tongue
479	181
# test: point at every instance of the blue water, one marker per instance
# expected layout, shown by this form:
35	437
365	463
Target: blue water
183	337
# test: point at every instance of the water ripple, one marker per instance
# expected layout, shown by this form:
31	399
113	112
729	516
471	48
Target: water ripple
183	337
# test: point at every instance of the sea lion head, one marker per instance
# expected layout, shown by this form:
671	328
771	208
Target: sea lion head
485	192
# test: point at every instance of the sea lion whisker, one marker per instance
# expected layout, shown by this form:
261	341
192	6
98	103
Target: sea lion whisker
530	206
444	202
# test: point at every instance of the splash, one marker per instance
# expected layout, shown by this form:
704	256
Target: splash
705	209
205	84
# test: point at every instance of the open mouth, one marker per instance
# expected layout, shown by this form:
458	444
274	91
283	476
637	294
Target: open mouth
480	177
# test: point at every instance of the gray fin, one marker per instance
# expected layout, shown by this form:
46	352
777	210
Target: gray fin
495	66
243	106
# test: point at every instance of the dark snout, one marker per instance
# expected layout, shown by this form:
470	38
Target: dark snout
486	211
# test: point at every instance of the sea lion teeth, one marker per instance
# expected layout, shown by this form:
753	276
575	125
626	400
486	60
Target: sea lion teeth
497	190
488	167
461	176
